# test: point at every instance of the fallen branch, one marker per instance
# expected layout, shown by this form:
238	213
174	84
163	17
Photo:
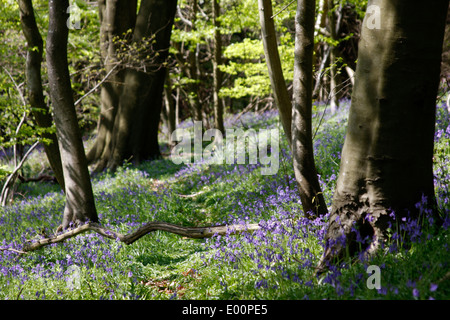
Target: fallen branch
42	177
189	232
13	250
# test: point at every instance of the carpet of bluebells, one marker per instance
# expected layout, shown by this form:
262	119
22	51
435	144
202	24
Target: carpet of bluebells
275	262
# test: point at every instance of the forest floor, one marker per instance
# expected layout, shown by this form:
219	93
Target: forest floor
275	262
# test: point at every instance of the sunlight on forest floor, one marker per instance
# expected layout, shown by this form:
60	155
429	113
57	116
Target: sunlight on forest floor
276	262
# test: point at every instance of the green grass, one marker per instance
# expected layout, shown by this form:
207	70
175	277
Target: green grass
277	264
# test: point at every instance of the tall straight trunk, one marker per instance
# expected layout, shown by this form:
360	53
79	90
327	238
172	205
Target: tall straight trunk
277	81
387	158
169	110
334	101
217	74
40	111
321	15
80	205
311	195
194	94
296	115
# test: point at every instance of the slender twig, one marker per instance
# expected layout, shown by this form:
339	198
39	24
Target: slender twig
3	195
20	291
284	8
15	85
97	85
182	18
24	116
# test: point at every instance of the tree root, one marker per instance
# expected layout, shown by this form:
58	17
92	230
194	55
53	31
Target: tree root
189	232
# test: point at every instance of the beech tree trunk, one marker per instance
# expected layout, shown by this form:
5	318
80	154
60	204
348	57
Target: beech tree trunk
40	111
193	71
296	115
311	195
217	74
334	101
116	17
131	106
168	113
80	205
387	158
277	81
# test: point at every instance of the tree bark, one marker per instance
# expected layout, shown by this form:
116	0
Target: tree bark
193	71
39	108
387	158
80	205
311	195
277	81
131	129
169	110
116	18
217	74
334	101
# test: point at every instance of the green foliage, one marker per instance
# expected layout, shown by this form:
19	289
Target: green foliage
81	55
359	6
244	65
4	172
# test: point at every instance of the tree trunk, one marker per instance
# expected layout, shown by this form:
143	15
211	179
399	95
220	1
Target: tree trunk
217	74
116	17
387	158
311	195
169	110
80	205
194	94
136	106
334	101
277	81
187	58
39	108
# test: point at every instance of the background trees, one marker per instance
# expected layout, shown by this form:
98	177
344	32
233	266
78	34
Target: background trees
216	60
39	108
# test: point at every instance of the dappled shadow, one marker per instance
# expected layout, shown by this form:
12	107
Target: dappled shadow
160	259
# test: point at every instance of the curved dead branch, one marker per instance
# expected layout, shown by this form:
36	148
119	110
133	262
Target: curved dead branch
189	232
